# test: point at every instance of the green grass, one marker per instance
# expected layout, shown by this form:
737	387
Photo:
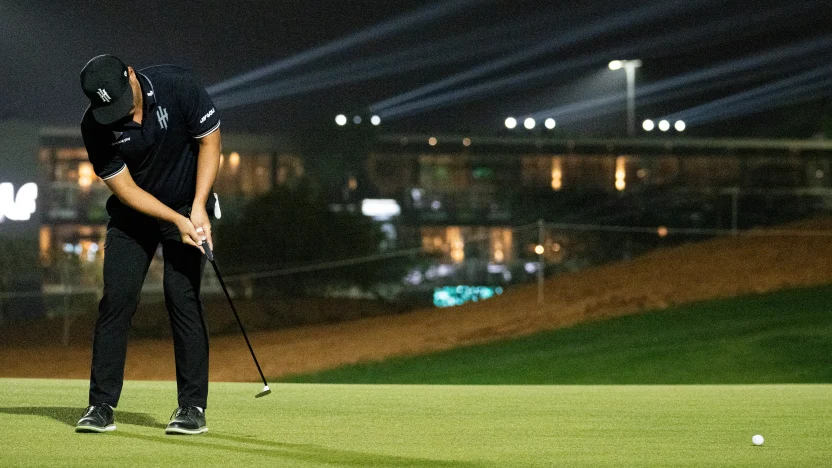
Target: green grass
412	425
783	337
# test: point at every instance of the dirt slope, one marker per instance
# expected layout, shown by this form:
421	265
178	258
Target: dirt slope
716	268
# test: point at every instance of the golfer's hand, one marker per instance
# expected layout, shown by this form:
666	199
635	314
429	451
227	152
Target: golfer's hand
199	218
188	233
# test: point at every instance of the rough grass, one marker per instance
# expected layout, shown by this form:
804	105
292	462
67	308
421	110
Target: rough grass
781	337
454	426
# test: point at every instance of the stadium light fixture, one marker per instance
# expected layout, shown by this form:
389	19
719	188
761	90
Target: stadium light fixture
629	67
664	125
550	123
648	125
529	123
511	123
680	126
341	120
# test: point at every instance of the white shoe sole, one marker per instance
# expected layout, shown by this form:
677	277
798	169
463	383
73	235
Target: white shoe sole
87	429
177	430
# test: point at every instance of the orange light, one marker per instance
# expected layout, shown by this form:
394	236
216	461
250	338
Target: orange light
45	244
432	141
539	249
499	256
457	244
620	173
557	174
85	173
234	159
662	231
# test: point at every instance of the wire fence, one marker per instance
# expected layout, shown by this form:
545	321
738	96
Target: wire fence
540	228
527	253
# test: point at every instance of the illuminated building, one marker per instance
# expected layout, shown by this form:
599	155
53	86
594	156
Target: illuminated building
452	193
68	218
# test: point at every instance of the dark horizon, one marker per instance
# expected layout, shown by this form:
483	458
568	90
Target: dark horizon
49	43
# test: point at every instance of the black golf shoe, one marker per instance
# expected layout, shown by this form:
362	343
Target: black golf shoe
187	420
96	418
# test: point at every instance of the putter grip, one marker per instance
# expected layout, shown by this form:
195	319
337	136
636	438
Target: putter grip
208	252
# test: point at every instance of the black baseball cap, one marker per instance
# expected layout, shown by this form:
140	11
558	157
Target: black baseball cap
105	82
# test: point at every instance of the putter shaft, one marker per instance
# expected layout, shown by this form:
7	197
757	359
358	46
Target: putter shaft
210	255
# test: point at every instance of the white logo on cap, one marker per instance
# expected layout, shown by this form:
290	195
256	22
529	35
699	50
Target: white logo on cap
103	95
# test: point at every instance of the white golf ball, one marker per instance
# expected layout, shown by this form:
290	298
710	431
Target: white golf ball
757	439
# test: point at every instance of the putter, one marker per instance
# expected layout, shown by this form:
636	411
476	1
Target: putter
208	253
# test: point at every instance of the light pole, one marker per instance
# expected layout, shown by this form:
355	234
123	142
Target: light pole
629	67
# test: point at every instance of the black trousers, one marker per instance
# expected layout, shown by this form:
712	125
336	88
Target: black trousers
129	248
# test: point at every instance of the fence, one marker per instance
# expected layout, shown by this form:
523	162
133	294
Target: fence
493	257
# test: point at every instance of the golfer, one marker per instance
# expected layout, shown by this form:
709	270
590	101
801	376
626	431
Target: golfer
153	137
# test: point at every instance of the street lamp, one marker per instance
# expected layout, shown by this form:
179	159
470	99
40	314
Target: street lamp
629	67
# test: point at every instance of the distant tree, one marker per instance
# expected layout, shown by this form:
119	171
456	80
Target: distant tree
20	270
19	262
294	227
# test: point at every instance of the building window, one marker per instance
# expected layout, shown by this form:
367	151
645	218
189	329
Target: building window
459	243
502	245
244	174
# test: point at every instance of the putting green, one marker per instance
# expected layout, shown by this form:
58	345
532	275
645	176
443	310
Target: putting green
415	425
774	338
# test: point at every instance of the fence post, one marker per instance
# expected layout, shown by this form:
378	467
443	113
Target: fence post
67	322
540	264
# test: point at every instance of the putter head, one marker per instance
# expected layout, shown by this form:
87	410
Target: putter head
266	391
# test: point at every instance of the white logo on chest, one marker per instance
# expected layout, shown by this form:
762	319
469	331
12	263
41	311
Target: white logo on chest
162	115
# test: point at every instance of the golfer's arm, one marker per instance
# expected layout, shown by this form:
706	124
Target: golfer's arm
125	188
207	165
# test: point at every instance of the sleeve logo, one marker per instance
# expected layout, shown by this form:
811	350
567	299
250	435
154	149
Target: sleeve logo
205	117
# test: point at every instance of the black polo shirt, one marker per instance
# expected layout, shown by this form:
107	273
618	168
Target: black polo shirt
161	153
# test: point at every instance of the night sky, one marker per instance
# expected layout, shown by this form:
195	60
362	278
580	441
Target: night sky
46	43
